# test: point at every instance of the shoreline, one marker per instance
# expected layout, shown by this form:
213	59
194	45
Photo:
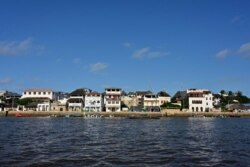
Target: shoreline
164	113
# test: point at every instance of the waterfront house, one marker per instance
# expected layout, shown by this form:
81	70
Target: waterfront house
130	100
151	103
200	100
76	100
93	102
163	99
41	98
11	99
8	100
112	99
38	94
139	97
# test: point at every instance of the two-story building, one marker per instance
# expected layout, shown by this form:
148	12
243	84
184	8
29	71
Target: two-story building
93	102
151	103
112	99
76	101
200	100
41	98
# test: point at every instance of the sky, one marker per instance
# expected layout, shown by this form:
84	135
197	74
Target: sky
135	45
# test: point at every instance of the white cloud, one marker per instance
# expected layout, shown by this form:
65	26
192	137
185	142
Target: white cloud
5	80
15	47
76	61
223	53
98	67
127	44
147	53
245	50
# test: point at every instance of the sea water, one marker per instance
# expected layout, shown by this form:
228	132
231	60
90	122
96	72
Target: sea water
124	142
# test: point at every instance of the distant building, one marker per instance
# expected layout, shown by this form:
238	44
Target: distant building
76	101
60	104
200	100
130	100
39	94
112	99
41	98
139	96
151	103
93	102
163	99
8	100
180	97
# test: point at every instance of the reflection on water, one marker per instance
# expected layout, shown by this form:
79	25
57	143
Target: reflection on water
124	142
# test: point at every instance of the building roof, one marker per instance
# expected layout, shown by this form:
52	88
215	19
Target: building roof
179	95
80	92
12	94
38	90
9	94
112	88
143	92
93	94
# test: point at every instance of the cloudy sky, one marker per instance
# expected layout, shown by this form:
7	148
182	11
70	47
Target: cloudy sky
133	44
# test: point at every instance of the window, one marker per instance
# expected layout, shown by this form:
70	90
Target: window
24	93
207	104
196	102
44	93
49	93
39	93
34	93
117	102
29	93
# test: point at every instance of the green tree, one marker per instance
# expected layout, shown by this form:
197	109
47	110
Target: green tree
24	102
222	92
230	93
170	106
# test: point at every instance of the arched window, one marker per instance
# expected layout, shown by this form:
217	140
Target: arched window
201	109
197	109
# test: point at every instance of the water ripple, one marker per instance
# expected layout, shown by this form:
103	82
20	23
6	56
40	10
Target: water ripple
124	142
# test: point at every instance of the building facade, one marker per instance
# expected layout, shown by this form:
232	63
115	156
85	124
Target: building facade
93	102
200	100
112	99
151	103
76	101
39	94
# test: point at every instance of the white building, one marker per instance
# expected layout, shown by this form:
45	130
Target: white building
39	94
163	99
93	102
76	101
112	99
150	102
200	100
43	98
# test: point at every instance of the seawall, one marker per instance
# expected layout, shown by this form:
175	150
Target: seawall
163	113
